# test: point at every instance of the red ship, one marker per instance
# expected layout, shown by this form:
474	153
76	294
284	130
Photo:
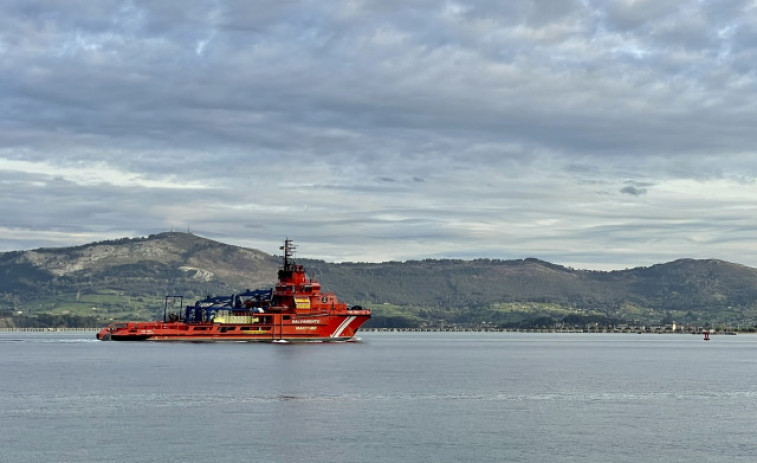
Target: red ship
294	310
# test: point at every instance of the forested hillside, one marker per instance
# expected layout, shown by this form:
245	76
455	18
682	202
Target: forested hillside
123	279
127	279
515	292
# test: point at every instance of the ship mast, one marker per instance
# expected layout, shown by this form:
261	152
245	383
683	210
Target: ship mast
288	249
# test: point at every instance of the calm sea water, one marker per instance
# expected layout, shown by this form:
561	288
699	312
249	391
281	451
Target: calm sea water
394	397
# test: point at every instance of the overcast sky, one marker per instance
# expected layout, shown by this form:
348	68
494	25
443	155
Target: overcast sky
590	133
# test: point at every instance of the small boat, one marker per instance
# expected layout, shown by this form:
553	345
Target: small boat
295	310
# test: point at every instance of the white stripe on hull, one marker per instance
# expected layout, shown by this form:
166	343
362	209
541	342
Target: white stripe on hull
343	326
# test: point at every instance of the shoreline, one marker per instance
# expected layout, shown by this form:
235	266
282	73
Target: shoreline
436	330
555	331
47	330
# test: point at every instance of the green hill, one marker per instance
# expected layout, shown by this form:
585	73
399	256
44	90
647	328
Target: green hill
531	292
93	284
124	279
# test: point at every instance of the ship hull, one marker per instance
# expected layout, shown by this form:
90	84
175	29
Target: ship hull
281	328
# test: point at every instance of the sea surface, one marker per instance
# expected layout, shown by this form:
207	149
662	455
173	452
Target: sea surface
393	397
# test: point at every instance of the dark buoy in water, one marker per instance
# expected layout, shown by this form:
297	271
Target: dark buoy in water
706	335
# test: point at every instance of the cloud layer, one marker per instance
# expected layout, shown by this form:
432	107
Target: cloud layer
589	133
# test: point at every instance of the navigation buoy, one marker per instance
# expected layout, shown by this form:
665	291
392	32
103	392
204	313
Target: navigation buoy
706	335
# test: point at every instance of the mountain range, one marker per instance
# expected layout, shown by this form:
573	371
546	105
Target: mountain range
93	284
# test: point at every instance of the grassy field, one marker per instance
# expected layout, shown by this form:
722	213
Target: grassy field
106	306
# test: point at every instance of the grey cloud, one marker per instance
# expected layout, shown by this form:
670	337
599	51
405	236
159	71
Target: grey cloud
482	120
636	188
633	191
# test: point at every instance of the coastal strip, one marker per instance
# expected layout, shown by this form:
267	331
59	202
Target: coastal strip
47	330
